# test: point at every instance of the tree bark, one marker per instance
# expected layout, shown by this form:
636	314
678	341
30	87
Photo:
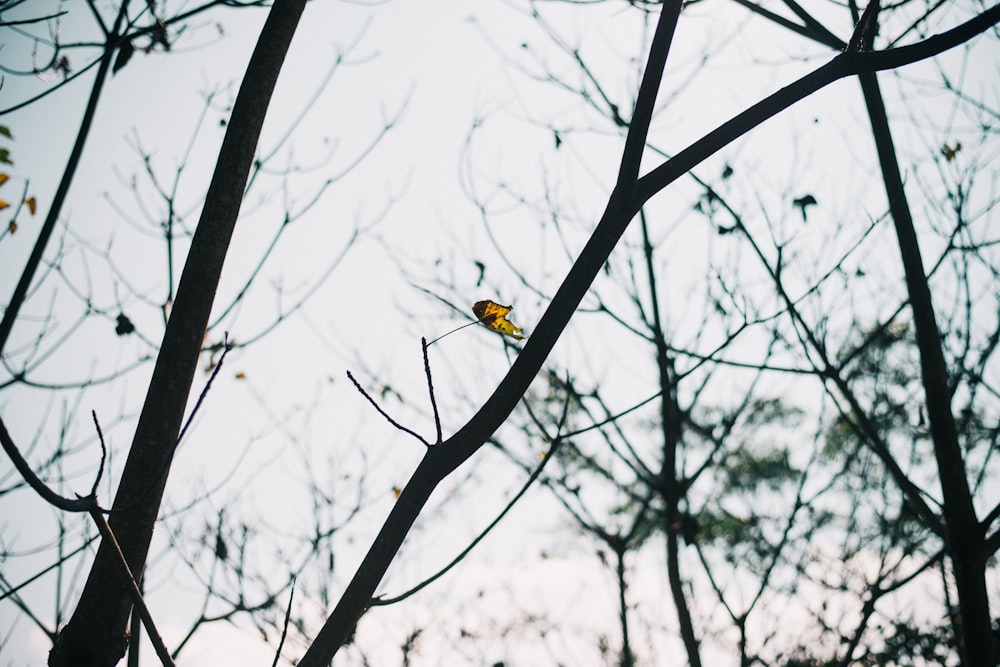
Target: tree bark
95	635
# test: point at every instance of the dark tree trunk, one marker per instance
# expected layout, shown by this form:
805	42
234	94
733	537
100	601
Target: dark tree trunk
964	535
95	635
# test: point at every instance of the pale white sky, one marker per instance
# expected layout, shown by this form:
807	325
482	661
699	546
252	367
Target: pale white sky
442	66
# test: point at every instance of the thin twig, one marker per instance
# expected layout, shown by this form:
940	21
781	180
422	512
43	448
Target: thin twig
459	328
226	347
133	588
13	589
430	390
536	473
382	412
284	627
80	504
381	602
165	467
104	455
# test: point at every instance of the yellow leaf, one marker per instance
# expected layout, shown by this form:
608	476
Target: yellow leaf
241	376
4	178
396	492
32	204
3	204
494	316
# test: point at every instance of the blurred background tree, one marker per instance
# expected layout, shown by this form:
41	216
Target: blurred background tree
736	422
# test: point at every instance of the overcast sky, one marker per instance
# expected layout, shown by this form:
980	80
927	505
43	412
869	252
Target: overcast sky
437	70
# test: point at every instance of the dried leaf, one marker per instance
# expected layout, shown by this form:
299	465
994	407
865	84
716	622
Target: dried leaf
949	153
804	202
494	316
31	204
124	325
221	550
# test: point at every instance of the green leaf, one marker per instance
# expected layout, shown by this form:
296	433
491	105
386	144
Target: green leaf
5	131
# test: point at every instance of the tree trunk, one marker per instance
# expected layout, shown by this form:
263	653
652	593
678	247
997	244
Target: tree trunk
95	635
964	535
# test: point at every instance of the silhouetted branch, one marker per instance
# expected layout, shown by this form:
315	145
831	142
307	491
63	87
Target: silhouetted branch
549	455
430	391
147	620
284	625
80	504
385	414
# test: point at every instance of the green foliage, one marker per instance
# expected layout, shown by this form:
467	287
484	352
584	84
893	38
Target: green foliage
899	644
745	470
907	645
722	527
772	411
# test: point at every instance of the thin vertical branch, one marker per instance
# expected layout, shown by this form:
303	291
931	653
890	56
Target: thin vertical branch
430	390
627	657
133	587
964	534
671	486
635	140
284	626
